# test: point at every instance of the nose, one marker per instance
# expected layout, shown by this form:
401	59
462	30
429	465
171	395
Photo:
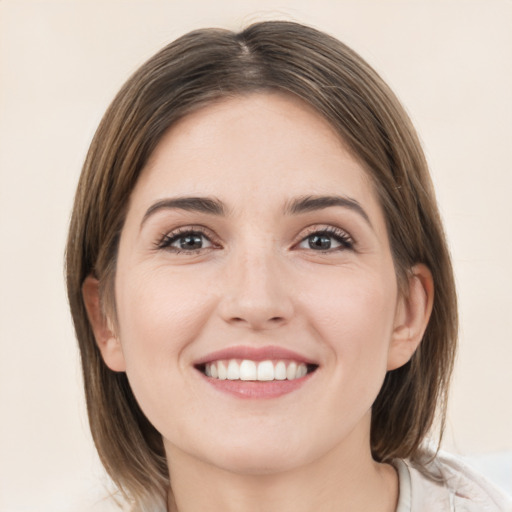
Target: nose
257	293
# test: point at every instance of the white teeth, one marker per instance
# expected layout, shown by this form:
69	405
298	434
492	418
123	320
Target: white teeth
233	370
301	371
255	371
221	370
291	371
248	370
280	371
265	370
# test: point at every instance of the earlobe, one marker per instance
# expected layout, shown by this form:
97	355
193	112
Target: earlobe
106	339
412	316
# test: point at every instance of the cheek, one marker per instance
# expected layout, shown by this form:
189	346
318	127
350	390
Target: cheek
355	316
160	313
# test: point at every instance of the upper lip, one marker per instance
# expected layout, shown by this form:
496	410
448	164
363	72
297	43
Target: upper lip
264	353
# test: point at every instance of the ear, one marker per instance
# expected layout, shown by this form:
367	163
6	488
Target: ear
412	316
106	339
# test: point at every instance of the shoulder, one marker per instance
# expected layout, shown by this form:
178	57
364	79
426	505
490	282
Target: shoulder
445	483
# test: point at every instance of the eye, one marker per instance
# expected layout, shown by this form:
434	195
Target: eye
325	240
188	241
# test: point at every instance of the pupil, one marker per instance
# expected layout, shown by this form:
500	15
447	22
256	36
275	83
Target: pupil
191	242
320	242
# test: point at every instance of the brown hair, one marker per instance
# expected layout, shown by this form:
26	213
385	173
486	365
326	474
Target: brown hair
208	65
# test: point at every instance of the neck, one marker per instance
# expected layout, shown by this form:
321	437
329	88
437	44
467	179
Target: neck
344	479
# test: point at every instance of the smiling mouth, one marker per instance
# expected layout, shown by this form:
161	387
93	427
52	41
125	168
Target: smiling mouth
256	371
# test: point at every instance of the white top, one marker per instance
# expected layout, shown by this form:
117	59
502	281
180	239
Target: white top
447	484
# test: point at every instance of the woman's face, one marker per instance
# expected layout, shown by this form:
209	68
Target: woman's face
254	250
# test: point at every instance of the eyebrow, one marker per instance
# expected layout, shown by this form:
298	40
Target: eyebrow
213	206
312	203
208	205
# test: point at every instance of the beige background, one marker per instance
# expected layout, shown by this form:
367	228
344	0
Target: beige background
60	64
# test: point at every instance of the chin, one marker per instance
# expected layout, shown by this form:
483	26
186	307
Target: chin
264	454
243	454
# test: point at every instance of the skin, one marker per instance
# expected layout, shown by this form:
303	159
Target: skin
256	281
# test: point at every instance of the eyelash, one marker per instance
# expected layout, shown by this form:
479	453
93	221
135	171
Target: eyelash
169	238
340	236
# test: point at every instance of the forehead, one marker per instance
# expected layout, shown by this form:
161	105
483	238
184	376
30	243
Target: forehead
266	145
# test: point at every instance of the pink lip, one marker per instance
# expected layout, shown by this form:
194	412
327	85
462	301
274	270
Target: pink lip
254	354
257	390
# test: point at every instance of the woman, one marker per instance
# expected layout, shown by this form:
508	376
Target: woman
261	287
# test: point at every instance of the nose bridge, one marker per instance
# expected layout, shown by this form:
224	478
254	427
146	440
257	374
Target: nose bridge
257	292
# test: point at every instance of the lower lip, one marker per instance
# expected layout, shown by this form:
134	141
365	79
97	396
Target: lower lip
258	390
